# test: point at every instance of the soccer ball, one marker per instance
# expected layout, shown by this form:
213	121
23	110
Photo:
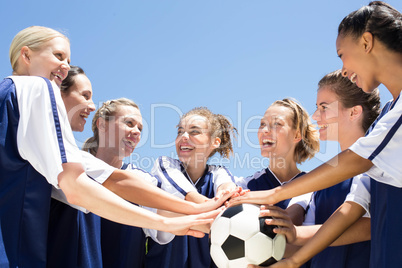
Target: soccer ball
239	237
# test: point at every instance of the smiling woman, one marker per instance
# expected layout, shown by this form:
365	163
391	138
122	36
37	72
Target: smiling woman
288	138
200	135
76	92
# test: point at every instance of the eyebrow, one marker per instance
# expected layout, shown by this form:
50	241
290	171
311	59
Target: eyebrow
322	103
191	127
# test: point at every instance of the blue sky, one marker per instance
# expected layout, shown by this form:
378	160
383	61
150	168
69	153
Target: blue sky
235	57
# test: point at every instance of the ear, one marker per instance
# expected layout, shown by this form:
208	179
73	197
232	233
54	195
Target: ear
356	112
25	54
216	143
298	136
368	41
101	124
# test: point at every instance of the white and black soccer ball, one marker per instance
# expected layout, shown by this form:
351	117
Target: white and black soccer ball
239	237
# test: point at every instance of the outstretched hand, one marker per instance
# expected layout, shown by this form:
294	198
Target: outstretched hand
218	201
186	225
253	197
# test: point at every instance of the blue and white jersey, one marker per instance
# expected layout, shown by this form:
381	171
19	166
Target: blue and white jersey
95	168
382	145
123	246
264	180
176	181
35	140
78	239
360	192
184	251
322	205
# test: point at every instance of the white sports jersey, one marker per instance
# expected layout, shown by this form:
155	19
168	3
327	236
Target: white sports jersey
95	168
36	135
382	146
360	192
175	180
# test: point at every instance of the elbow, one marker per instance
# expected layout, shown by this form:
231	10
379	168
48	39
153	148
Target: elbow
70	183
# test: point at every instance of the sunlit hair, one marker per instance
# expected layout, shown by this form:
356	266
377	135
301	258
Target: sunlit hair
106	111
309	144
350	95
33	37
380	19
218	126
69	81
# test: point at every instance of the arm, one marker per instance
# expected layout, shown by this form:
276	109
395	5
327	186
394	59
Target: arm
296	214
358	232
134	189
343	166
82	191
341	220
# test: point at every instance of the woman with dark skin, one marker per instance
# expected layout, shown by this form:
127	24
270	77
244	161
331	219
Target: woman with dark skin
369	45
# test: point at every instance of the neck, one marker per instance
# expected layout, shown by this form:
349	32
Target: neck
351	137
390	72
284	169
108	157
195	172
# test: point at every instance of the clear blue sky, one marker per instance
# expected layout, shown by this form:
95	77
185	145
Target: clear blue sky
234	56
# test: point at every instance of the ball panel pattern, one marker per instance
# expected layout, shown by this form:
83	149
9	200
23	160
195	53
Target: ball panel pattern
233	247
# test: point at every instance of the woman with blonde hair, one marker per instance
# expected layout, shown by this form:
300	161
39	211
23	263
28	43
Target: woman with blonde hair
200	135
288	138
38	151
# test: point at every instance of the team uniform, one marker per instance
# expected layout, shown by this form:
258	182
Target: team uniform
35	140
74	233
123	246
264	180
184	251
382	146
89	240
322	205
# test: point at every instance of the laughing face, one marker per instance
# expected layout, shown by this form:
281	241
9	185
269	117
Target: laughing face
50	61
193	141
276	134
358	65
123	131
78	102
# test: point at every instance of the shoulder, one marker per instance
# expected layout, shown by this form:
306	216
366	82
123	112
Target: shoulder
168	162
140	172
218	168
254	176
30	81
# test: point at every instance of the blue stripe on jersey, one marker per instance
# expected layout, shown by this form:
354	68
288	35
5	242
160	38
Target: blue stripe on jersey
125	166
56	122
178	188
24	193
387	107
387	138
184	251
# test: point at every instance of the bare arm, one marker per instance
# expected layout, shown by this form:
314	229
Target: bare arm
296	214
82	191
358	232
341	220
135	189
196	197
345	165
